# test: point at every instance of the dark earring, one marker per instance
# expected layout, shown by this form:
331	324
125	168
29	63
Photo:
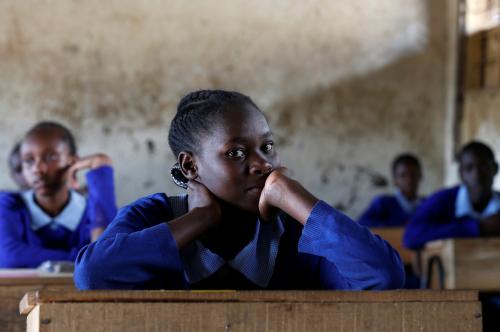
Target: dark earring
178	177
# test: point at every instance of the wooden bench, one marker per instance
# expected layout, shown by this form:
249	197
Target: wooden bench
394	235
14	284
53	310
462	264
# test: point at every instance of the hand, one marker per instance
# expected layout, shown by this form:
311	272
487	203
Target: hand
90	162
273	193
283	193
490	226
200	197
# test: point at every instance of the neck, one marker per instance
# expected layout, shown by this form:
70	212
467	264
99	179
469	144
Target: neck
53	204
232	234
480	200
410	196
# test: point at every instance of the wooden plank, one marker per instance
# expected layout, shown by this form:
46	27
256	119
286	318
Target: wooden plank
31	299
394	235
10	320
14	283
466	263
254	316
474	61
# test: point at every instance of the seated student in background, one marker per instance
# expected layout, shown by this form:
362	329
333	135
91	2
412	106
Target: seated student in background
15	167
228	233
396	210
50	221
469	210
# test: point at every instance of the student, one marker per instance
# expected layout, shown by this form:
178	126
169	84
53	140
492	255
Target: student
15	167
469	210
50	221
396	210
228	233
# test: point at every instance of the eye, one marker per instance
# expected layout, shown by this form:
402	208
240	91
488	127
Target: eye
268	147
236	153
52	157
28	162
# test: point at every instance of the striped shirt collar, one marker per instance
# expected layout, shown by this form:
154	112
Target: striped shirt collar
463	206
255	261
69	217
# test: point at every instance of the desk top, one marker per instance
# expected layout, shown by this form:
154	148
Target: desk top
31	299
21	277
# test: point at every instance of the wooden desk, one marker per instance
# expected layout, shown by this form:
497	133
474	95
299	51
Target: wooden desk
73	311
394	235
14	284
462	264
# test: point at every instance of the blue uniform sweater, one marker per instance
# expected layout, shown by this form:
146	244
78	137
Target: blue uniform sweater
137	251
21	246
435	219
384	211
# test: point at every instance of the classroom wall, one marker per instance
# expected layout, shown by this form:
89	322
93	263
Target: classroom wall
346	84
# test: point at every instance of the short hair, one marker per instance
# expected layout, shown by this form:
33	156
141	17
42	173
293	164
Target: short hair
478	148
197	114
405	158
48	126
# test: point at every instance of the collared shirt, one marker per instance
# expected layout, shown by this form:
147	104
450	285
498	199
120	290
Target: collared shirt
408	206
69	217
255	261
463	206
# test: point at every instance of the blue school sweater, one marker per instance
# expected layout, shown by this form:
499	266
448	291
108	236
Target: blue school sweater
23	243
446	214
388	211
137	251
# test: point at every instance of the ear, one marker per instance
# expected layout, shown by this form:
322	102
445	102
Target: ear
188	165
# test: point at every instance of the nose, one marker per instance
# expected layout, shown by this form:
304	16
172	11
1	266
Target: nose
259	165
39	166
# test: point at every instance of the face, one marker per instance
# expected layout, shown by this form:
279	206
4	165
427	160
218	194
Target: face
45	159
234	162
477	173
407	178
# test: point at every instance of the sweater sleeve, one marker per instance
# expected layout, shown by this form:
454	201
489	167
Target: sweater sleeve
434	219
137	251
101	196
15	251
363	259
373	216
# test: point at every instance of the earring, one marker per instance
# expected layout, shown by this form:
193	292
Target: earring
177	176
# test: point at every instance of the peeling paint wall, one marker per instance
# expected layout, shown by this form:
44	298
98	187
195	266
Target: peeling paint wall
346	84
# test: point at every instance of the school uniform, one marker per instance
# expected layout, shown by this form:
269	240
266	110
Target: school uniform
447	214
137	251
28	236
389	211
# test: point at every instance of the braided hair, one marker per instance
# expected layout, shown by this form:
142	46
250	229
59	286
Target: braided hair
197	113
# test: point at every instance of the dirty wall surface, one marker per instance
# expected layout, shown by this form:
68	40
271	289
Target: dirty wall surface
345	84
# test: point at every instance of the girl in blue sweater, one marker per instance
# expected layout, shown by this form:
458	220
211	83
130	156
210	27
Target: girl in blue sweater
244	223
50	221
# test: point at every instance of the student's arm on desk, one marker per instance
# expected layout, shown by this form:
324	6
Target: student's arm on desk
432	221
137	251
365	260
14	250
